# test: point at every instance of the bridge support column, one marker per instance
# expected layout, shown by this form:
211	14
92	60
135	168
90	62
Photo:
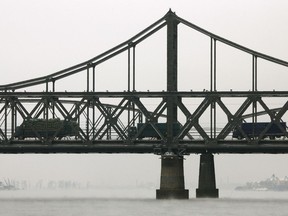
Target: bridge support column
172	179
207	184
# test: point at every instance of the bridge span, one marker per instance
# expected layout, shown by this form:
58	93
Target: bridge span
178	123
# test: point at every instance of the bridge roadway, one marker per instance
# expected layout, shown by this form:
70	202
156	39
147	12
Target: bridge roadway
130	145
147	146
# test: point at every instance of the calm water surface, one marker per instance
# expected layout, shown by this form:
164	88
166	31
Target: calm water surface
138	202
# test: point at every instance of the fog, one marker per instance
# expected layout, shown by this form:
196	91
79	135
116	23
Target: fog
42	37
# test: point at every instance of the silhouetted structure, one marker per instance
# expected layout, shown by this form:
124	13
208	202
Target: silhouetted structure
115	128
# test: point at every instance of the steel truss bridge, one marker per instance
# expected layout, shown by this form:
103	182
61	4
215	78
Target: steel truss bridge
106	127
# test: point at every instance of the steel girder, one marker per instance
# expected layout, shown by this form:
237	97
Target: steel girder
105	127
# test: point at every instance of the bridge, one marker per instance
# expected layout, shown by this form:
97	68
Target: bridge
179	123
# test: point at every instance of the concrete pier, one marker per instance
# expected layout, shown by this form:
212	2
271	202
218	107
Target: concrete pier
207	184
172	184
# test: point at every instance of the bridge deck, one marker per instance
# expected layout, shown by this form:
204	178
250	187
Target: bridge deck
147	146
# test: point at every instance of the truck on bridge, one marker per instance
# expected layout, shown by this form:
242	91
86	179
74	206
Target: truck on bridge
50	128
254	130
149	132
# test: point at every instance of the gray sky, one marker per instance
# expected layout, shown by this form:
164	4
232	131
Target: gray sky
41	37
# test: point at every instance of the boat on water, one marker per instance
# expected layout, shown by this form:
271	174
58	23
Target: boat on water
271	184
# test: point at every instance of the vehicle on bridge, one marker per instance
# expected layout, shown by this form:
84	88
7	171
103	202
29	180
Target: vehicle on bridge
254	130
149	132
50	128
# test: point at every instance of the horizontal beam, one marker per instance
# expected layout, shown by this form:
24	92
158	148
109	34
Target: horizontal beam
146	94
146	146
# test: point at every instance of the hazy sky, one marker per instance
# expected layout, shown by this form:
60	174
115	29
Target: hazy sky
41	37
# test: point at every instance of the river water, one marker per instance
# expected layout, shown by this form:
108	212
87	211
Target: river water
138	202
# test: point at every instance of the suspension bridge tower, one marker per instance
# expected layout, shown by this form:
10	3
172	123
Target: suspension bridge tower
172	173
